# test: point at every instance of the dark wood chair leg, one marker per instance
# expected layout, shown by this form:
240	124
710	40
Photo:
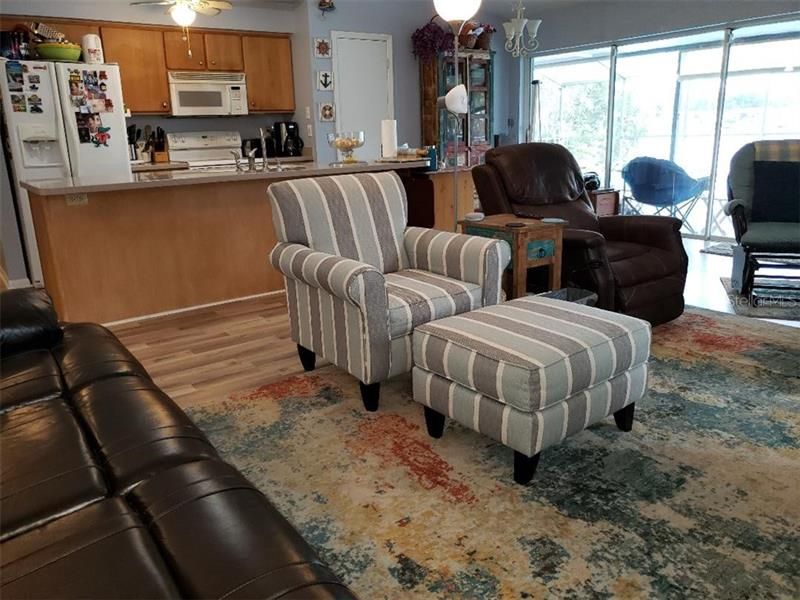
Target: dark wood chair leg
624	417
525	467
307	358
370	395
434	421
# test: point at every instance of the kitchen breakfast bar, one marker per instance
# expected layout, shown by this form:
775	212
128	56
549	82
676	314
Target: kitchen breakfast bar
116	249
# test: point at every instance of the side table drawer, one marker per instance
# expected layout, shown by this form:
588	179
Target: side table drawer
539	249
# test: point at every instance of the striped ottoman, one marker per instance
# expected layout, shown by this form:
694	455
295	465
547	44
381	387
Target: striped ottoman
530	372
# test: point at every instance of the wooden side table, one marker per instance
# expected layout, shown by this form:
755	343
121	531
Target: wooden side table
535	245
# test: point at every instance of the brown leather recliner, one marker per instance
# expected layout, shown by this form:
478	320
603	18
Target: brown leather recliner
636	264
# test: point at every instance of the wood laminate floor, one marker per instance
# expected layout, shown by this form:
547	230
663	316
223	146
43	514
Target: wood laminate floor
207	354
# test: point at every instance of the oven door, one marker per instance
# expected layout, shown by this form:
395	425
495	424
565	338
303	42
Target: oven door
200	99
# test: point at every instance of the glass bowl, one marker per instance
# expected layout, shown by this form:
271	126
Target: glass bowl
346	142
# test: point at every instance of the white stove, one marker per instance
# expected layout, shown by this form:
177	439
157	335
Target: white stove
209	151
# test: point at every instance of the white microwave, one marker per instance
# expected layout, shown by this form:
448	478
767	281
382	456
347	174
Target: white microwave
202	94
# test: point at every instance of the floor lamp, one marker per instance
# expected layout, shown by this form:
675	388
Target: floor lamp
456	13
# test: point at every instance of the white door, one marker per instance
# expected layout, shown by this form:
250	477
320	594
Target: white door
94	119
363	80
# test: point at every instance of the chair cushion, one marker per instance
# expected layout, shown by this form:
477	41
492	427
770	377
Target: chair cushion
28	377
138	429
416	297
46	468
636	263
772	236
101	551
91	352
532	352
776	193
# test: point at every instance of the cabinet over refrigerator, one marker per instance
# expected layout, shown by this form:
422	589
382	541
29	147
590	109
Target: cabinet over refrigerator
62	120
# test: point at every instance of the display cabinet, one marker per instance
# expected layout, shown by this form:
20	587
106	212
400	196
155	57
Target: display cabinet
467	138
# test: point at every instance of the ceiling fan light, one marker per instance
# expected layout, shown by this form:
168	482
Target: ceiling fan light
456	10
182	14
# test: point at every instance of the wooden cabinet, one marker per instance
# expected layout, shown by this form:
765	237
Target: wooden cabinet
270	80
143	67
224	52
176	49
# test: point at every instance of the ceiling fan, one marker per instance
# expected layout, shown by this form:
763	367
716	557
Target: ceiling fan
183	12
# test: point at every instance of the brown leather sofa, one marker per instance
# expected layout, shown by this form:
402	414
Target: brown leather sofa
108	490
636	264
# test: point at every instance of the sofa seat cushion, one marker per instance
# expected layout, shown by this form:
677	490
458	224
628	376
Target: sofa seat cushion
635	263
531	353
772	236
91	352
416	297
46	468
138	429
101	551
255	552
28	377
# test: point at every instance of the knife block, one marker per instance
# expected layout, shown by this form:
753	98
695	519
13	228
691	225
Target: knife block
160	156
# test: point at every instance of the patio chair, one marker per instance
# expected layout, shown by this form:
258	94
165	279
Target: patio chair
664	185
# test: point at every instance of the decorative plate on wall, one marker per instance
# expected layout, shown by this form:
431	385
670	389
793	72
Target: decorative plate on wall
322	48
327	112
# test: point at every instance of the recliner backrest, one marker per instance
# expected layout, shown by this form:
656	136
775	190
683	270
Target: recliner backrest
543	180
741	179
362	217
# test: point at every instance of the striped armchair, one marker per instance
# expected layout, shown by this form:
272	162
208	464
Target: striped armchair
358	281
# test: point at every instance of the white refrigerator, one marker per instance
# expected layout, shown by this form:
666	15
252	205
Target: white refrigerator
62	120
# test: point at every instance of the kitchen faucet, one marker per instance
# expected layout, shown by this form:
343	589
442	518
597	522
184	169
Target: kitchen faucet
265	163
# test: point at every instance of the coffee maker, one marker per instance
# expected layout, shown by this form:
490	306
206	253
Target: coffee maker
287	138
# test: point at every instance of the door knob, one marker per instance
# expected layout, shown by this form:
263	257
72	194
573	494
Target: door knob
164	104
213	62
201	63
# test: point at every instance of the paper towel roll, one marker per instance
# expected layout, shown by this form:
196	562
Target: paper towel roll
388	138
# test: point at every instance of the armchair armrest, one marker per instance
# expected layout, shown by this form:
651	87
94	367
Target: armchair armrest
29	321
735	209
583	239
467	258
585	265
347	279
647	230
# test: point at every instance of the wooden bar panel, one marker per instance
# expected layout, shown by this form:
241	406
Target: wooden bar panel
139	252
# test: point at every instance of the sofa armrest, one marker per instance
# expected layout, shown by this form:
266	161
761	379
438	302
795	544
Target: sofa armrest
647	230
467	258
583	239
347	279
29	321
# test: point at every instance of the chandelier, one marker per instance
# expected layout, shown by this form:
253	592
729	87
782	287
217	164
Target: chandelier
516	42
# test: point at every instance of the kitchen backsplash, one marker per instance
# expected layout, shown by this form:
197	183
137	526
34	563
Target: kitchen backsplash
247	125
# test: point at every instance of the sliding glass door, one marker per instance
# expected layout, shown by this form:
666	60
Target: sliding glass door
762	101
671	141
571	104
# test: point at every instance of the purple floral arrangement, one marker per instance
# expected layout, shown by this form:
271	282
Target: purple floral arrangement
430	40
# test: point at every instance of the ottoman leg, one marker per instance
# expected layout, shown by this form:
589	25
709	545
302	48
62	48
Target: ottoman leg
525	467
434	421
307	358
624	417
370	395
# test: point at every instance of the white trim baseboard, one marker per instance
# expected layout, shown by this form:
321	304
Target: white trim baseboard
178	311
19	283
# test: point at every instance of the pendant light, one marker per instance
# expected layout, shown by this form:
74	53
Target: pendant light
182	14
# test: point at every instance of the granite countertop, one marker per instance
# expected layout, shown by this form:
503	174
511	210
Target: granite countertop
162	179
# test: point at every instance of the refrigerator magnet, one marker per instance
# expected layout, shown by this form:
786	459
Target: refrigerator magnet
14	76
35	104
18	103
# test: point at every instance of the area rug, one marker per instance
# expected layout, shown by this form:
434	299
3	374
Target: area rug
786	308
720	248
700	500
